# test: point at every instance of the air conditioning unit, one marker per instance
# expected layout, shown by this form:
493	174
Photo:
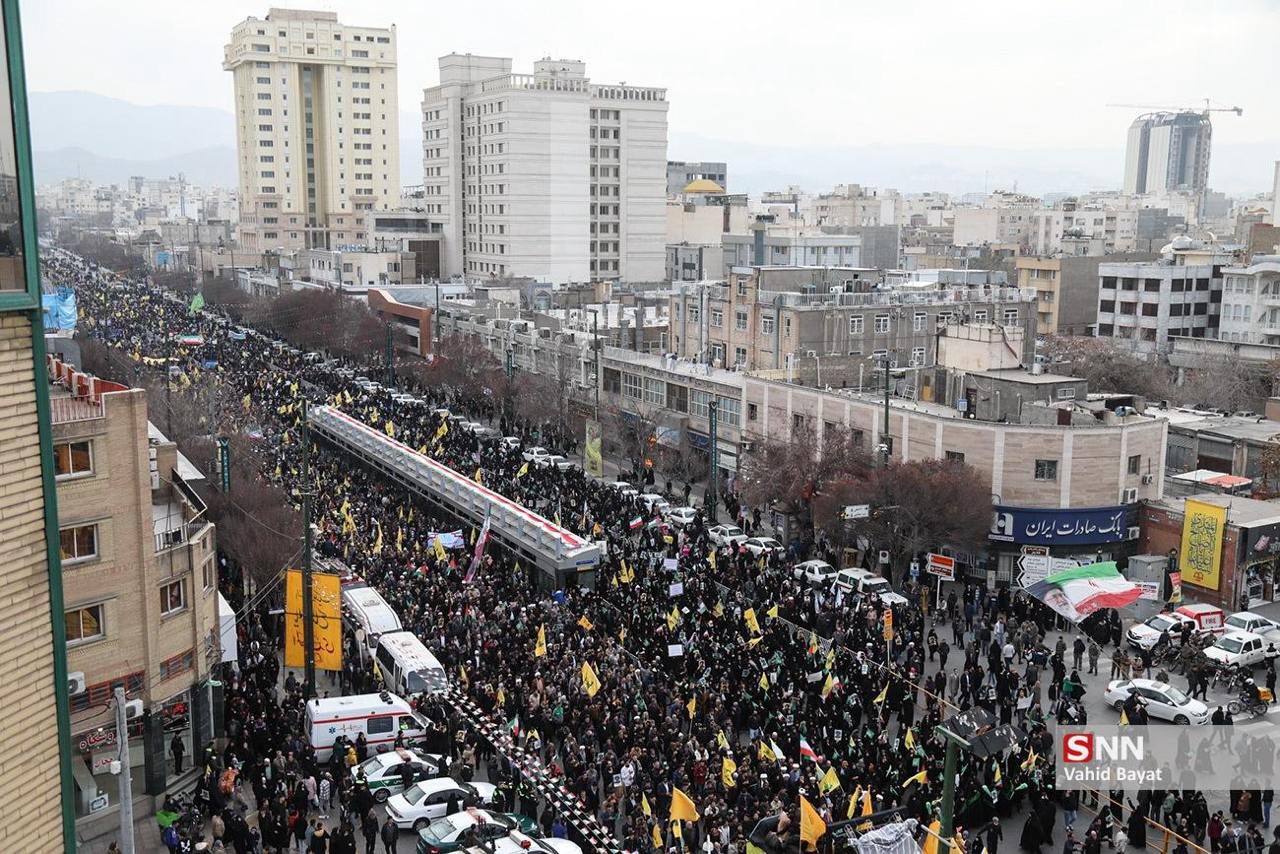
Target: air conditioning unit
132	709
1129	495
812	354
76	683
1134	532
1147	478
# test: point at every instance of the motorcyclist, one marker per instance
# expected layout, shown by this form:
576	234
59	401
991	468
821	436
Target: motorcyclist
1249	693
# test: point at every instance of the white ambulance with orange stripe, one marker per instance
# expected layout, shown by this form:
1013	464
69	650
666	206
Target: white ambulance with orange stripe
379	717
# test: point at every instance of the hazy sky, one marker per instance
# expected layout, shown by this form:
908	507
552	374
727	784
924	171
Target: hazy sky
1004	73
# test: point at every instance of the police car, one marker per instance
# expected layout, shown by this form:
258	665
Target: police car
385	773
427	800
520	843
469	827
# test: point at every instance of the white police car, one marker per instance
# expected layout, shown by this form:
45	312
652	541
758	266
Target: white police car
386	772
427	800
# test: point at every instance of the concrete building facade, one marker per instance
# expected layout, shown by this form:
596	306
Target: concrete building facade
545	175
317	127
1143	304
141	587
1251	302
1168	151
1066	288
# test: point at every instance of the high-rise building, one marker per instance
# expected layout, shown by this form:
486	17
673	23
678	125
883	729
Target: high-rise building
36	803
317	129
1168	151
545	175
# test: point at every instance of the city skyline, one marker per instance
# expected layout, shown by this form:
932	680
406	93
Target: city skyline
709	63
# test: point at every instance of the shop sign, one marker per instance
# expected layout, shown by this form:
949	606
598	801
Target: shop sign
96	739
100	763
1261	542
99	803
1061	527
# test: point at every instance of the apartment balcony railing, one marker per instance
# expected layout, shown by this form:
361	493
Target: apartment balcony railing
66	410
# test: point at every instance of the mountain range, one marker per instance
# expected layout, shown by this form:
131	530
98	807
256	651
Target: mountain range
108	140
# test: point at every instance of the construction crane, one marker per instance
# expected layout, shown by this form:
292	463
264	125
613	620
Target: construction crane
1204	111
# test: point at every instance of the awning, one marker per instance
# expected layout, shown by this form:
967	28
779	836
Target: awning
227	630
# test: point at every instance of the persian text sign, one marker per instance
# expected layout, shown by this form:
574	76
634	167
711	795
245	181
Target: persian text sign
1200	558
326	617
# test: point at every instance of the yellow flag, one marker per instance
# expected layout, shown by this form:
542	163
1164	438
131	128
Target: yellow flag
853	802
884	693
585	623
682	809
867	809
910	740
931	838
691	707
524	470
443	431
831	657
921	778
502	697
676	831
438	542
711	558
764	682
673	618
829	782
657	838
246	402
813	642
726	773
1124	718
589	680
540	648
766	753
377	543
390	428
462	676
811	824
721	741
999	774
752	623
1030	761
718	610
478	478
399	539
622	635
773	612
827	686
644	805
751	644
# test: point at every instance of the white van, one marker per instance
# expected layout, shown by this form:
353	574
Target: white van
364	610
379	716
407	666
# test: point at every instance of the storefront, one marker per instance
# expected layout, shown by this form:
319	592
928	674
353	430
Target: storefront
93	751
1028	544
1260	563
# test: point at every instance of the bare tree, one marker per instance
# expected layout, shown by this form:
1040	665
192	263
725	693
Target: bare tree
1108	366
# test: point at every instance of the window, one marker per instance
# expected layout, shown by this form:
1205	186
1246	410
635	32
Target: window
786	326
73	458
79	543
740	320
1010	316
980	316
752	412
717	317
382	724
917	356
631	386
1046	470
655	391
766	324
208	578
954	456
180	663
740	356
173	597
855	324
919	321
695	314
881	324
612	381
84	624
1135	463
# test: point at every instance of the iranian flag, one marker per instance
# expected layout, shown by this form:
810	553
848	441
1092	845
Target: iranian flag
1078	592
806	751
636	523
514	726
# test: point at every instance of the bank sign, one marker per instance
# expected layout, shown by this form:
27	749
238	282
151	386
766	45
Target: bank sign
1069	527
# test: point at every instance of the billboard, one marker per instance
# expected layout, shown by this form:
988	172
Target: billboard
1200	558
326	615
593	459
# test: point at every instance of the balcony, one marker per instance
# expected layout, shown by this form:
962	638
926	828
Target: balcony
177	520
65	409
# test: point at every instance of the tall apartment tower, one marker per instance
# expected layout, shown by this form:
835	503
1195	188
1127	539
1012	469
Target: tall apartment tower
545	175
317	128
1168	151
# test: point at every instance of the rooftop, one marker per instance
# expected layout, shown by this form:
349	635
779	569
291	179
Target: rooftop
1020	375
674	365
1255	428
1240	511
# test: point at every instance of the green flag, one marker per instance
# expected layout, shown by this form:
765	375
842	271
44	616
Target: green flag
197	303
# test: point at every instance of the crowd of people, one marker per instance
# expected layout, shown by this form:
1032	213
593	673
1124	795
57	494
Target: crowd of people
720	673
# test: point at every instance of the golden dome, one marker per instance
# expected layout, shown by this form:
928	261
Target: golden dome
703	185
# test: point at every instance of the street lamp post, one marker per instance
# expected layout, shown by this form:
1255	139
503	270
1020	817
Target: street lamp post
885	438
713	407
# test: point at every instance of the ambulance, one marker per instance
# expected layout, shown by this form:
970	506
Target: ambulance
379	717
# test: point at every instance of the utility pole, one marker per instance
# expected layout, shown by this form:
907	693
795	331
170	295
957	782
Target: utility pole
125	778
308	618
886	438
595	350
713	407
435	315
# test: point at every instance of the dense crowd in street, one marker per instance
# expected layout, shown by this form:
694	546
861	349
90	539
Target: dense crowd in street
777	689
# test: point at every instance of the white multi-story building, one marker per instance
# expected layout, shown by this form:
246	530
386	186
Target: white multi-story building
1251	302
317	132
545	175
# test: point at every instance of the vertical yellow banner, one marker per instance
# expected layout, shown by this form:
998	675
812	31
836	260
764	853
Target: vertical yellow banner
1200	558
326	615
593	459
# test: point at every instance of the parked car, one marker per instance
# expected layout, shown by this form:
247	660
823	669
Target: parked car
1238	649
854	579
758	546
814	572
549	461
1163	700
384	772
681	516
625	489
428	800
511	443
532	455
1144	635
655	503
727	535
1247	621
